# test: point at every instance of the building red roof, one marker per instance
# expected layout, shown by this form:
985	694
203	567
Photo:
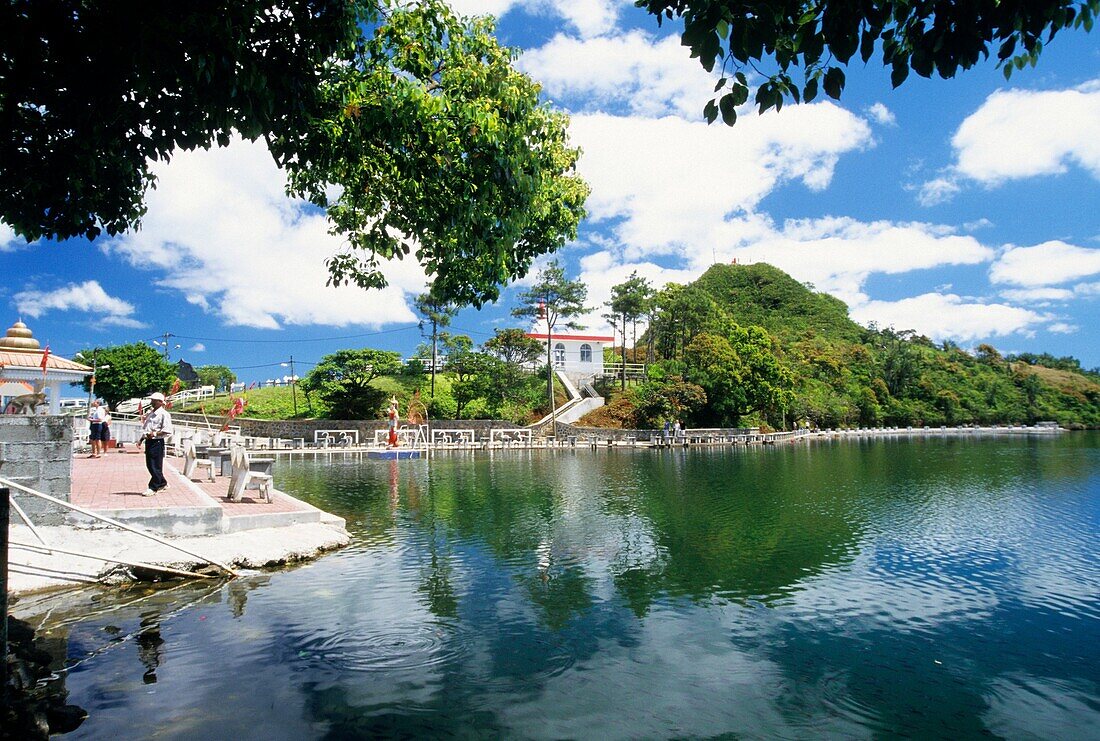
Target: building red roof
580	337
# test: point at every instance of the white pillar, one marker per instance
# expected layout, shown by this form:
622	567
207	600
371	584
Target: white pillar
55	397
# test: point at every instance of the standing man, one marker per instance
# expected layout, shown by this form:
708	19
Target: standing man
156	428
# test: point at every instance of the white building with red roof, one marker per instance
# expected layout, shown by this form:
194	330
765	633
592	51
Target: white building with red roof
577	355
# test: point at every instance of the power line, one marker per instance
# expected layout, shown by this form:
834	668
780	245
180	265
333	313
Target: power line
268	365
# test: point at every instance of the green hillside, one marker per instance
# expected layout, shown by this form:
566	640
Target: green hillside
765	295
748	344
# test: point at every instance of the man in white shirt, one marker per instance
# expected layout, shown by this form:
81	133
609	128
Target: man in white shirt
156	428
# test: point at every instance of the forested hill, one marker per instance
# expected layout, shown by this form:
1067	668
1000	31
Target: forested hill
807	362
764	295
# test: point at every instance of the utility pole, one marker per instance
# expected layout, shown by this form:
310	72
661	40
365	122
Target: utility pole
293	383
165	345
293	386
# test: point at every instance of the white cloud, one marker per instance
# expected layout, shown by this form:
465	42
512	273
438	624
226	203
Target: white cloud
495	8
633	72
937	191
197	347
836	255
9	242
1063	328
1037	295
948	316
880	114
88	297
587	17
222	232
1021	133
1046	264
680	197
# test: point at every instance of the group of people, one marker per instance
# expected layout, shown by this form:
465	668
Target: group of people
156	428
673	428
99	428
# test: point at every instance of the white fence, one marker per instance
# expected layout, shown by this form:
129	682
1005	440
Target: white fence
186	396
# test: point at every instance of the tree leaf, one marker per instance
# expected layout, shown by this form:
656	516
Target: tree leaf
710	111
810	91
834	82
729	112
899	73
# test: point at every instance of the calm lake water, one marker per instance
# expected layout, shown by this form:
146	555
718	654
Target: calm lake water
939	588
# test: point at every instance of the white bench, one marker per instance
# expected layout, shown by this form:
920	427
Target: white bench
191	460
244	477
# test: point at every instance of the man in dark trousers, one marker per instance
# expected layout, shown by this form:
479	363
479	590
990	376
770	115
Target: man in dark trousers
156	428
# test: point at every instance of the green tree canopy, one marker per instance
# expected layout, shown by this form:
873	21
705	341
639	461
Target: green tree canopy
513	346
802	44
476	374
553	299
129	371
739	373
218	376
408	125
630	300
343	381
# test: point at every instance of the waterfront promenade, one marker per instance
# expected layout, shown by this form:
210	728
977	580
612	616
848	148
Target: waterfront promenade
193	514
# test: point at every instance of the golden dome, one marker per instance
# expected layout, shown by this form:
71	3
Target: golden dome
19	337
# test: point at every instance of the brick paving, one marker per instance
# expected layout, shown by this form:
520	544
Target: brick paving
117	479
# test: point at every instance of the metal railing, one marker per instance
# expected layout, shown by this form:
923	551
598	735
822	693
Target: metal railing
129	528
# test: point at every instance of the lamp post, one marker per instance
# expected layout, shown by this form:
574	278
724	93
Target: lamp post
293	383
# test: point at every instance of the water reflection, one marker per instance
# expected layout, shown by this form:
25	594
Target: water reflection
881	588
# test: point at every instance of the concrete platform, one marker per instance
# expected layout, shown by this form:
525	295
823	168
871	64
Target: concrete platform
192	514
112	486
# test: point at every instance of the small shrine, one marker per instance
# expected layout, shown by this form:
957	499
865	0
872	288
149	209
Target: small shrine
30	375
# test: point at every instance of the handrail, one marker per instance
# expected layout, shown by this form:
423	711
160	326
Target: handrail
116	523
139	564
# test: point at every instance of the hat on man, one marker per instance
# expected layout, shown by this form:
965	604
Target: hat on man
156	396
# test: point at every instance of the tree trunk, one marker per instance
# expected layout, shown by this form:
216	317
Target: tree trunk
434	353
623	369
550	374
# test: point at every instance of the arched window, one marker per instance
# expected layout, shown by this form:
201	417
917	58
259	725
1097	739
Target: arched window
586	353
559	354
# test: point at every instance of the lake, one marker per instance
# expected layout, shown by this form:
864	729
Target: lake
935	588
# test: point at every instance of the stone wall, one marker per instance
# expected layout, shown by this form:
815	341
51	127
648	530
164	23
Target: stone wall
304	428
37	452
602	434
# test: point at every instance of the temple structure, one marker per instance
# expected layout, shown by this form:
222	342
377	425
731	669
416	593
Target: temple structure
26	368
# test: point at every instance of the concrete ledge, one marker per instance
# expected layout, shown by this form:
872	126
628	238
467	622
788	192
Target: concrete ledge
238	523
32	572
164	520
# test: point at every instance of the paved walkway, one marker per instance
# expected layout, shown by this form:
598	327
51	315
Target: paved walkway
113	484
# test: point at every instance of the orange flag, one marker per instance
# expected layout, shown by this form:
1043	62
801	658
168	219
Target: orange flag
45	360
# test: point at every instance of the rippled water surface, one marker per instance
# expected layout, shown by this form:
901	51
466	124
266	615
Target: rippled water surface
938	588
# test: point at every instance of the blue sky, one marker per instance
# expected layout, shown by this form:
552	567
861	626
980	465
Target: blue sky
966	209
